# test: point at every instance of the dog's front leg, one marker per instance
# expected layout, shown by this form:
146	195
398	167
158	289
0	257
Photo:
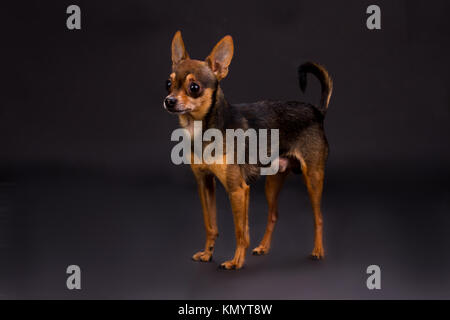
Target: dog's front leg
207	193
239	204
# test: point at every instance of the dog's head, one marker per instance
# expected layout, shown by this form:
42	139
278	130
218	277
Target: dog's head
192	83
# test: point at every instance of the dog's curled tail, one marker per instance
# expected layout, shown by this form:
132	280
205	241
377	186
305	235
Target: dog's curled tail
325	81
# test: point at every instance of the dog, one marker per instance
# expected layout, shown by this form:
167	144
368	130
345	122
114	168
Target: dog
194	94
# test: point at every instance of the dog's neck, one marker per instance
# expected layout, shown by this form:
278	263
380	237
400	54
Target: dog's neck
214	117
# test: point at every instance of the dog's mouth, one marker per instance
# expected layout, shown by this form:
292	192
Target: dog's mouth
175	111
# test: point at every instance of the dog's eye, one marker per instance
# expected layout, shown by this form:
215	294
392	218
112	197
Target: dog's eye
168	84
194	88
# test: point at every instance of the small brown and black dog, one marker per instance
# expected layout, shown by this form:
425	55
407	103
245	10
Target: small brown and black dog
194	94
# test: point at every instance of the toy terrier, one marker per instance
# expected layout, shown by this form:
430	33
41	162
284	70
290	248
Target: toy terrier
194	94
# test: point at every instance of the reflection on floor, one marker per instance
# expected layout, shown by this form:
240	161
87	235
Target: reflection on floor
134	239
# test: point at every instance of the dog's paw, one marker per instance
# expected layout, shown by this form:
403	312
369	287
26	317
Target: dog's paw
202	256
317	253
231	265
260	250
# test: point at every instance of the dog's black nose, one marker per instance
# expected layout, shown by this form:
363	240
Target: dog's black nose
170	102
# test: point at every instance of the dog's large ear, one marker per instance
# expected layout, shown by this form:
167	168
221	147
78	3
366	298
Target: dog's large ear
220	57
179	52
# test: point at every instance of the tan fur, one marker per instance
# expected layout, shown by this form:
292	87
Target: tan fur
273	187
179	52
327	80
239	194
220	57
199	107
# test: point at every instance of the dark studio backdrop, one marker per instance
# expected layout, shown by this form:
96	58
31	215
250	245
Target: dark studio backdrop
85	170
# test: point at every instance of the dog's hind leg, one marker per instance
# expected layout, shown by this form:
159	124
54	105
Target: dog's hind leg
274	184
313	174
